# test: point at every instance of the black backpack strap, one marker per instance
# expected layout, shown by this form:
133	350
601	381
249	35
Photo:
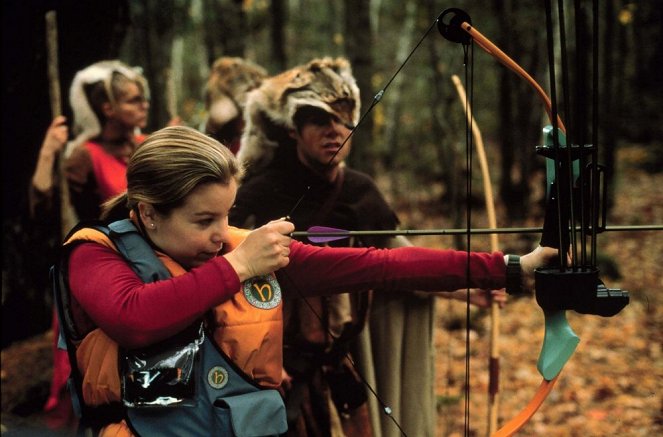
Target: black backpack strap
65	321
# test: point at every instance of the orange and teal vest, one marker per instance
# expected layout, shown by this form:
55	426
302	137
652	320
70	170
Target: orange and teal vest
238	364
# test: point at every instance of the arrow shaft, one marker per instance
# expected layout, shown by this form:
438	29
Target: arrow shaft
458	231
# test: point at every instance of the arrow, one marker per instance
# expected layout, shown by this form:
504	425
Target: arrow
324	234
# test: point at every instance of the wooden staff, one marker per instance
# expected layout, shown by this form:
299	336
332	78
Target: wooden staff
494	363
67	214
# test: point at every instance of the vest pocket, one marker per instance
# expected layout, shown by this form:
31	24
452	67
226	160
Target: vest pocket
256	414
163	375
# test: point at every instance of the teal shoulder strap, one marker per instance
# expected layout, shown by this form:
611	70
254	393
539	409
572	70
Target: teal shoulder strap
133	247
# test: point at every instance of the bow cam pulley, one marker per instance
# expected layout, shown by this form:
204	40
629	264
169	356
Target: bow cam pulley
448	24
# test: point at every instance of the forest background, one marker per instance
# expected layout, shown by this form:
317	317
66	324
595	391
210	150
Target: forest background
412	142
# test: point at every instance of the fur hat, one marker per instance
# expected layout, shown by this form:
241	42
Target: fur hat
229	82
325	83
86	124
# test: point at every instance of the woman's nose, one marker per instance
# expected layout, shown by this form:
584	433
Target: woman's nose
220	234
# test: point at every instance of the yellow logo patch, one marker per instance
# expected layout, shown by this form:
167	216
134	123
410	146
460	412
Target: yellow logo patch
217	377
263	292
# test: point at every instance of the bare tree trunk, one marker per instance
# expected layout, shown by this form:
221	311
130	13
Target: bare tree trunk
153	44
277	30
225	28
582	79
519	110
213	36
236	28
607	119
359	49
393	112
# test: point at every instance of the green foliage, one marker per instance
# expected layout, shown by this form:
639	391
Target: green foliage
418	126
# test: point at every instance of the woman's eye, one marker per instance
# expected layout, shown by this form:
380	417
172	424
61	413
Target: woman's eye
205	222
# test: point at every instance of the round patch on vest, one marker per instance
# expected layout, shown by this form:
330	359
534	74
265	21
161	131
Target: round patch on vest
217	377
263	292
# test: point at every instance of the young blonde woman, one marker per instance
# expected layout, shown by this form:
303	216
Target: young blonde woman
110	101
110	107
222	281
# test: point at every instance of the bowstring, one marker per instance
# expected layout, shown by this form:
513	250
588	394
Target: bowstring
468	61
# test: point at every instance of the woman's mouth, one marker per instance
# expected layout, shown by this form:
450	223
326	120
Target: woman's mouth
206	256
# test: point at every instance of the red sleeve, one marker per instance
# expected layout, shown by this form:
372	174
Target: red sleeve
318	270
136	314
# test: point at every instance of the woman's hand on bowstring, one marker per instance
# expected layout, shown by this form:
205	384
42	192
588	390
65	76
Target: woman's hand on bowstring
263	251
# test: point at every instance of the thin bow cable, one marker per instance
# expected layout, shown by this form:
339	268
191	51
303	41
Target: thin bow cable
494	357
469	78
386	409
572	130
376	99
555	133
595	125
570	135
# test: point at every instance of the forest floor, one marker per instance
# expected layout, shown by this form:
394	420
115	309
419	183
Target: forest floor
612	385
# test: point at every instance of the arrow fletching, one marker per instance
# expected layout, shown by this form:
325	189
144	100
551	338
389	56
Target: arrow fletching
327	234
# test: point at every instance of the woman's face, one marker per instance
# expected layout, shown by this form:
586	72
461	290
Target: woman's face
131	107
193	233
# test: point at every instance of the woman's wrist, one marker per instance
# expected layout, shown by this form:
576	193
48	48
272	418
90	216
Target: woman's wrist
240	267
514	274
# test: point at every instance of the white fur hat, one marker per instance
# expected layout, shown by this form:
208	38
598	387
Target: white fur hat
86	125
324	83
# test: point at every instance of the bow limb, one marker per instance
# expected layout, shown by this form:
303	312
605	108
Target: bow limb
515	424
489	47
494	361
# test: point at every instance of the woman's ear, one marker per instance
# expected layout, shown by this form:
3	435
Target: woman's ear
147	214
107	109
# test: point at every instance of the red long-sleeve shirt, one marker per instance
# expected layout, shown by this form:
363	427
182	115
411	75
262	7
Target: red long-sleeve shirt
137	314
